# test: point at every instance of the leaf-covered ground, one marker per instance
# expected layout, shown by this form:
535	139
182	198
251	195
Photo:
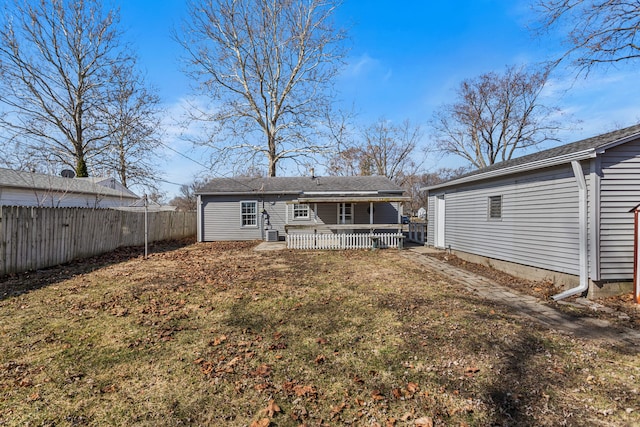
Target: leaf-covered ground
621	310
218	334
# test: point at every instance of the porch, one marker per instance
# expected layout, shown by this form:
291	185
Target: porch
345	241
345	236
345	222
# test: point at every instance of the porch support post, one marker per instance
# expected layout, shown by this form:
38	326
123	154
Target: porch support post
315	213
370	212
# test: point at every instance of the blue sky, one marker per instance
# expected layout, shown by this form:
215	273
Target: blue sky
406	59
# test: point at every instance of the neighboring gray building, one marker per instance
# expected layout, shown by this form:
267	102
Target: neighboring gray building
19	188
562	210
263	208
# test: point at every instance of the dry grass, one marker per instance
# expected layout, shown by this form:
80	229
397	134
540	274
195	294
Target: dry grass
217	334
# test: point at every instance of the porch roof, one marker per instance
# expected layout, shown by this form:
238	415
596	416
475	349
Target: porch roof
304	186
357	226
349	199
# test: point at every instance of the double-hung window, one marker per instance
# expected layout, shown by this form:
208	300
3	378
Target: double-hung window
249	214
300	211
345	213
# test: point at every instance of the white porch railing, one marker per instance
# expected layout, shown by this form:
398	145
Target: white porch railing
344	240
417	232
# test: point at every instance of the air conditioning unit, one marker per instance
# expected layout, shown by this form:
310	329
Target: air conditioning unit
272	236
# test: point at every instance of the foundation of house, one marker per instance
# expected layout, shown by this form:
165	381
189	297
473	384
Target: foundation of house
561	280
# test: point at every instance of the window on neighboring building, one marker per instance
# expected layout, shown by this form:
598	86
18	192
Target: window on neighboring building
249	214
300	211
495	207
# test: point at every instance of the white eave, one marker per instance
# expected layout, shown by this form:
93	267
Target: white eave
351	199
245	193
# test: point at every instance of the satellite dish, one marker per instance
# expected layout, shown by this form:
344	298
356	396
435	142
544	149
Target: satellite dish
68	173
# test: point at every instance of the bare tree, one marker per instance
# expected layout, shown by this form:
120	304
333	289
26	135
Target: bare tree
413	184
347	162
597	32
382	149
494	116
133	120
389	149
187	200
269	64
56	58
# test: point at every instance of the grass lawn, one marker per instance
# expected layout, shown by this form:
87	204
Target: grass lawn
218	334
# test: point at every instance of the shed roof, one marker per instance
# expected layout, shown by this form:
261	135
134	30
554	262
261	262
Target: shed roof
326	185
579	150
27	180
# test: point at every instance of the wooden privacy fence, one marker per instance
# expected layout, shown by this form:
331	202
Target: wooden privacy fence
344	240
35	237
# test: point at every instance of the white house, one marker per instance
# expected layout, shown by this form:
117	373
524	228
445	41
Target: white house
19	188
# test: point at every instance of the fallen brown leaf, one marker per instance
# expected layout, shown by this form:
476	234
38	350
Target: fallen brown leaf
218	340
263	370
375	394
337	409
272	408
303	390
424	422
264	422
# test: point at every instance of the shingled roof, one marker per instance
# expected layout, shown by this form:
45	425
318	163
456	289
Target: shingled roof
301	185
578	150
37	181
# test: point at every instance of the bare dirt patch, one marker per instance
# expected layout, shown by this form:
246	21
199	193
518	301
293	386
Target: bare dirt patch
218	334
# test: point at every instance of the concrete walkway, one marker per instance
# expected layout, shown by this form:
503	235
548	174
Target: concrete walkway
270	246
536	309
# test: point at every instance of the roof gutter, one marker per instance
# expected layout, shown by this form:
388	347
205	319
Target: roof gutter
559	160
582	235
243	193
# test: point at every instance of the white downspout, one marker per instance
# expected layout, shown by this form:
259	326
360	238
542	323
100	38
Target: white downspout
582	235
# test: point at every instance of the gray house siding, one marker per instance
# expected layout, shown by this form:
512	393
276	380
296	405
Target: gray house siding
532	233
221	214
327	213
619	192
544	219
385	213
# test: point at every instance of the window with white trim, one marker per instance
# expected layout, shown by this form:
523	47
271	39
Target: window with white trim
300	211
249	214
495	207
345	213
